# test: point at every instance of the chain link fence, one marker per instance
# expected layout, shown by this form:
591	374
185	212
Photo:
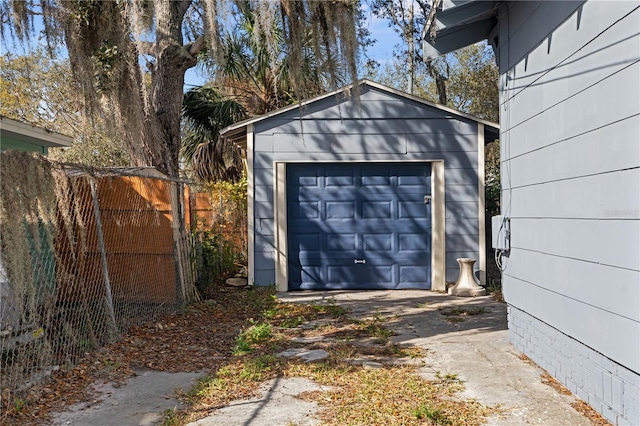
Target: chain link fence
84	255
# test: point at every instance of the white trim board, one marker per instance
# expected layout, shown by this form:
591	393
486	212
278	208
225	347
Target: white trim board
482	244
250	208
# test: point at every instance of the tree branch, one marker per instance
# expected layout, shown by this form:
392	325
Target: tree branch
183	6
148	48
195	46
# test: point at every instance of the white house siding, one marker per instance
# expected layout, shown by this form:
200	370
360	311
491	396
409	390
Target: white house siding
377	127
570	138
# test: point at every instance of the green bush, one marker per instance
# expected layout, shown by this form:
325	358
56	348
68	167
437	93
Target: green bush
216	259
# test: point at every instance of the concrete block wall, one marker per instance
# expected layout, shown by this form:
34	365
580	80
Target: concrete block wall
608	387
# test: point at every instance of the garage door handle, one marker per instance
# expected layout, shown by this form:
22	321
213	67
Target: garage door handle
359	261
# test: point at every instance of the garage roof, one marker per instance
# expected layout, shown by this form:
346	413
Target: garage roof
237	132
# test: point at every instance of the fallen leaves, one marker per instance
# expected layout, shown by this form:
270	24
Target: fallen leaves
550	381
199	339
593	416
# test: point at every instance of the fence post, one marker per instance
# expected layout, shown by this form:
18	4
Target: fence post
176	224
103	255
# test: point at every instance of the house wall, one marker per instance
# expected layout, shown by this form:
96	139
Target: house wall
381	127
570	132
17	145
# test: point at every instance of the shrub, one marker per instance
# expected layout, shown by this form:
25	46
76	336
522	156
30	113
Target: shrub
216	259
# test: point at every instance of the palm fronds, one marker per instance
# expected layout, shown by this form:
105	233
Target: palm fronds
206	112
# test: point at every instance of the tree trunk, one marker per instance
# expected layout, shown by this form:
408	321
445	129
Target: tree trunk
167	82
441	82
106	59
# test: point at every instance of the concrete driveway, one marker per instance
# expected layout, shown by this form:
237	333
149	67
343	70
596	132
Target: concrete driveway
462	336
475	349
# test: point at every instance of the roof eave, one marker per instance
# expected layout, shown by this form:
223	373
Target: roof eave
32	134
236	133
460	26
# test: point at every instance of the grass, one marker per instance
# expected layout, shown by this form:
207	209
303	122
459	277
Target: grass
256	334
374	327
449	377
386	396
436	415
456	315
494	288
172	417
478	310
392	395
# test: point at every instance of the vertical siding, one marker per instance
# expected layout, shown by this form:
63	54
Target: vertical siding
570	132
381	128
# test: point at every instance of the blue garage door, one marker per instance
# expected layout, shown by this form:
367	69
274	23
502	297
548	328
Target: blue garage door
359	226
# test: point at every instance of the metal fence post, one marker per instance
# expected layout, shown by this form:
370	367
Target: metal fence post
103	255
175	195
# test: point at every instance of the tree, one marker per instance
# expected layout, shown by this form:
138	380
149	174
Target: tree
253	79
205	113
472	82
408	18
34	89
256	69
134	54
469	79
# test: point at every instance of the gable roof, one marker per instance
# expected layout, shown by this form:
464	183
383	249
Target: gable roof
237	132
23	132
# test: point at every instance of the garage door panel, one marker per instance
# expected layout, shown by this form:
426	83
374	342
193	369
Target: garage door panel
305	210
359	226
340	210
339	177
381	180
376	209
360	274
341	274
303	178
411	181
413	274
308	274
305	242
413	209
413	242
377	242
342	242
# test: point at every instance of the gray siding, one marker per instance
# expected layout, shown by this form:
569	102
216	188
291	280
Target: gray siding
381	127
570	132
608	387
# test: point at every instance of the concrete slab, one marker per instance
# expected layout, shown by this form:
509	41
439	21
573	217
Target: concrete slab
462	337
476	349
141	401
277	405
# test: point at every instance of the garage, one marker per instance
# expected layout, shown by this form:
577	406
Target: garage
359	226
363	188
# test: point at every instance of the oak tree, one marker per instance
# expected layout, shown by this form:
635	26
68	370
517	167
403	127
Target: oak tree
130	56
